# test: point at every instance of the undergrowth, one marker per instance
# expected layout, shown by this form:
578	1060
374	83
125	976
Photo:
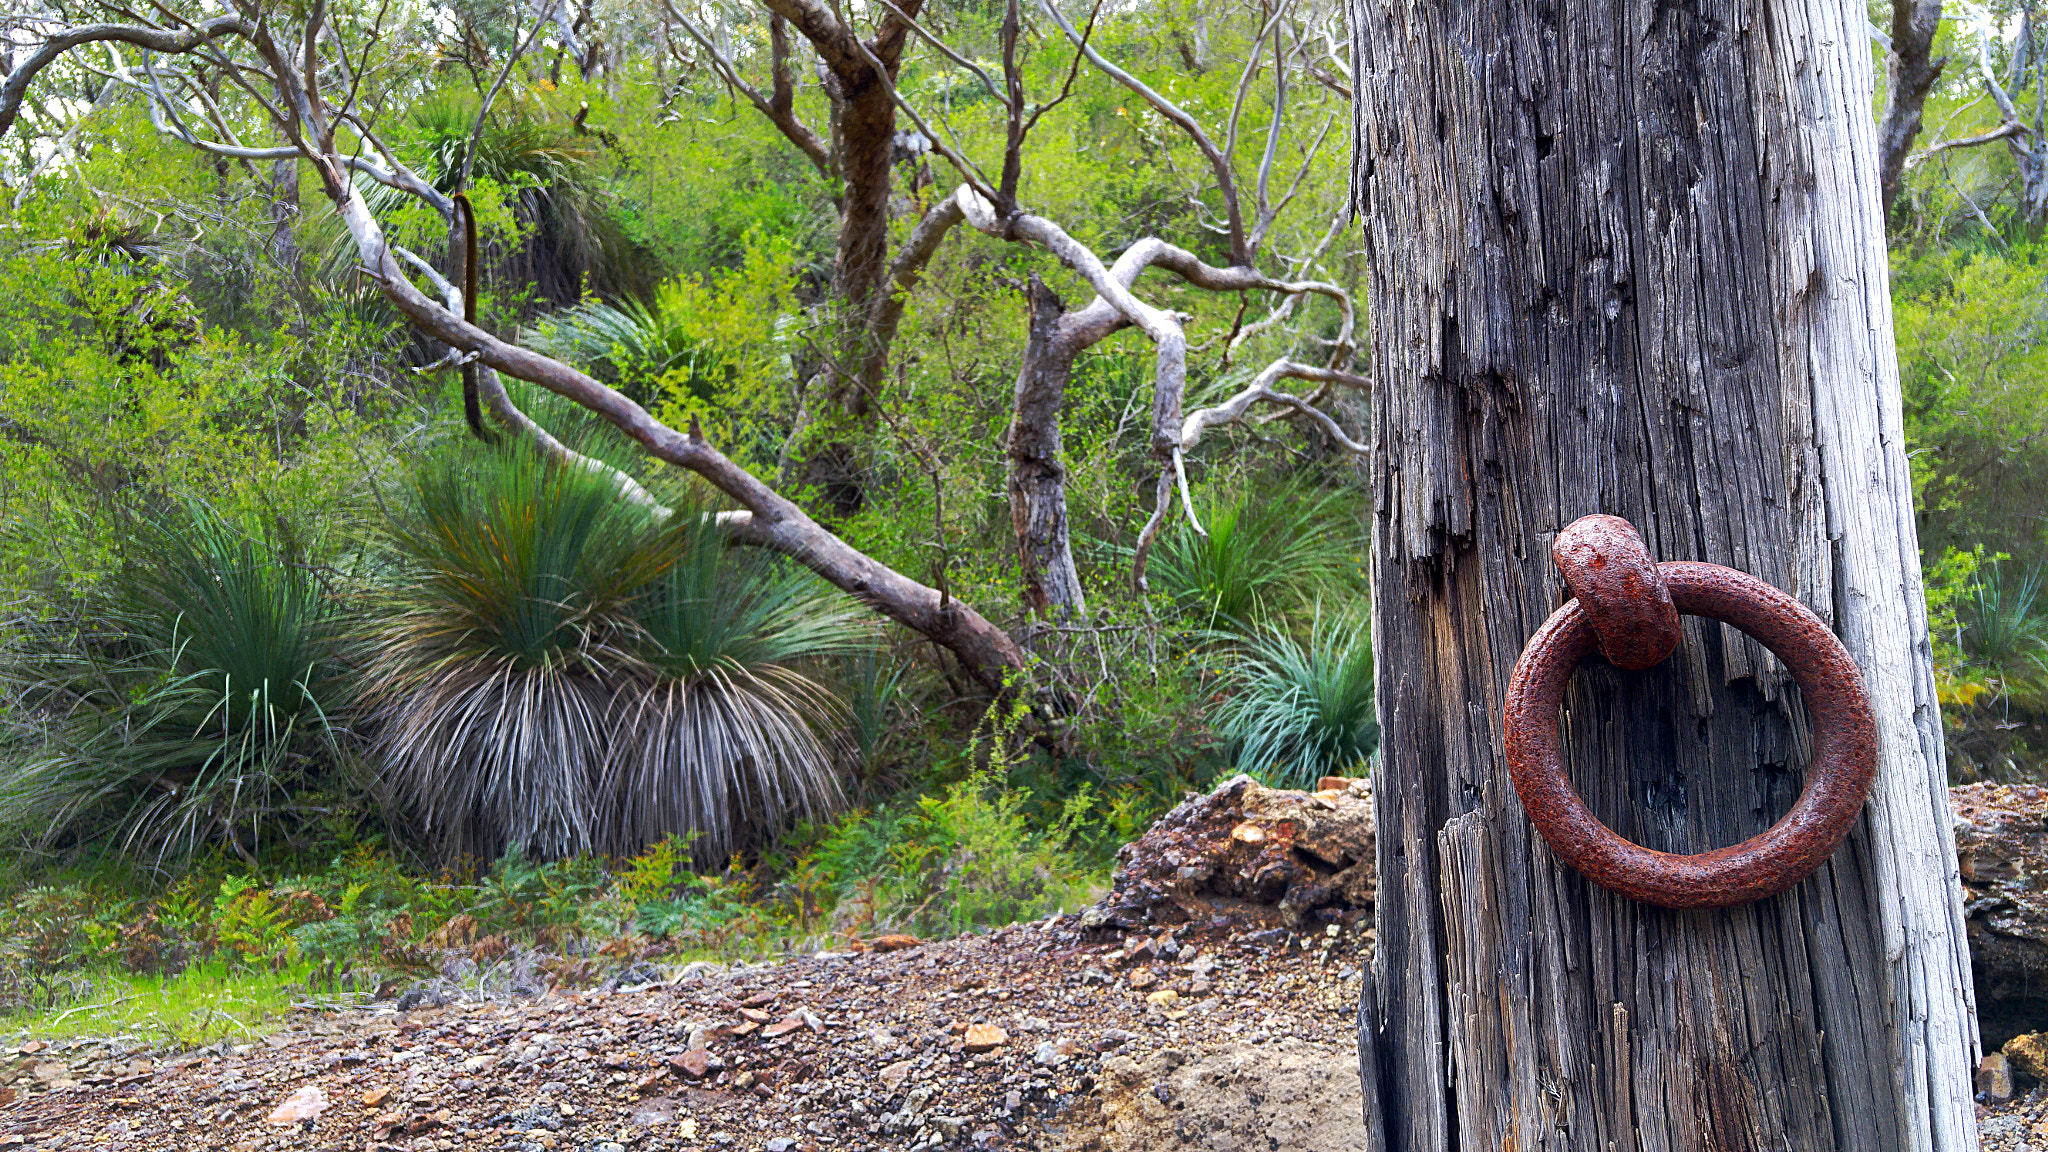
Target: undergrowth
227	944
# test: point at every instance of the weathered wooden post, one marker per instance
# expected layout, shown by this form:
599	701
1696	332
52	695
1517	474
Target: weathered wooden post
1626	257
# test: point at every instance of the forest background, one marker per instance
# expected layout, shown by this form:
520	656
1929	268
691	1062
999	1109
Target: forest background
301	679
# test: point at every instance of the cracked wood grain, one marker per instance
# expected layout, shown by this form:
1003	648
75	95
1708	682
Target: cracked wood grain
1626	257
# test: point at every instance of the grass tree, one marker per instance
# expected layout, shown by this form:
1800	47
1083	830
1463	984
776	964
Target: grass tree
1303	709
564	670
729	734
1256	554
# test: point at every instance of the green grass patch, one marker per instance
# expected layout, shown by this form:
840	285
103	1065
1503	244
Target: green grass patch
206	1003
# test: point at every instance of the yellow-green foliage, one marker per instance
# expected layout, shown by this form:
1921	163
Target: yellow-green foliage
107	380
653	874
732	331
1959	682
1973	357
209	1002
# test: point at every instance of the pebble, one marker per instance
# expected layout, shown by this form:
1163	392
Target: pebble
303	1106
1994	1078
985	1037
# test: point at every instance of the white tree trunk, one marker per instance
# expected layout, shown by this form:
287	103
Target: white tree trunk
1850	355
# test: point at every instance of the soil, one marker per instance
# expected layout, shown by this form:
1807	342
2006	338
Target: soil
1044	1035
1207	1002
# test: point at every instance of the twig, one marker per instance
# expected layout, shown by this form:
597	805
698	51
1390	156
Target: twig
60	1017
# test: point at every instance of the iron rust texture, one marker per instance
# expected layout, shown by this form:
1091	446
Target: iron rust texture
1609	569
1844	749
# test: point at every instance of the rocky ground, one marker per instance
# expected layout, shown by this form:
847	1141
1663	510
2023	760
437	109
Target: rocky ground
1207	1003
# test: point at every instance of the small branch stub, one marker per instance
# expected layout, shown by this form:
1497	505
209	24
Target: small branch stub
1604	561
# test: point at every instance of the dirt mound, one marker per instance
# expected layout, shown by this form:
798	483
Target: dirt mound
1245	854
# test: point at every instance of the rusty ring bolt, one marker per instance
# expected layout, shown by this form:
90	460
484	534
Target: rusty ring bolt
1628	608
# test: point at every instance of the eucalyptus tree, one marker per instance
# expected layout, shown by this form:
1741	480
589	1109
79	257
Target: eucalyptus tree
1286	64
319	78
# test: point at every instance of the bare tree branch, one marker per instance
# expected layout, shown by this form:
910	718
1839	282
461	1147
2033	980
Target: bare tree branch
483	109
491	390
779	109
968	169
2004	131
1260	390
1245	76
946	50
155	39
1115	306
908	267
1240	253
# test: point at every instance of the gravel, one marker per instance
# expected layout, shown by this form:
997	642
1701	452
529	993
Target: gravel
1089	1041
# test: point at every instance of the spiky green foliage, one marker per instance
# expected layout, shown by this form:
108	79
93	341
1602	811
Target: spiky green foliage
1263	552
2003	625
724	738
193	710
634	346
1302	710
872	688
563	672
503	635
613	342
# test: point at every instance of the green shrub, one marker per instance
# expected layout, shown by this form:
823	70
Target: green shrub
194	711
1263	552
978	854
1302	710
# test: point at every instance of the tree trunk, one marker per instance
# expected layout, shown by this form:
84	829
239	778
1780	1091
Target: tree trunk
1038	475
867	134
284	216
1910	73
1627	257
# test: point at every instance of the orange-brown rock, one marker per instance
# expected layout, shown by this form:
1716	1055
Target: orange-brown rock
1251	855
2028	1054
984	1038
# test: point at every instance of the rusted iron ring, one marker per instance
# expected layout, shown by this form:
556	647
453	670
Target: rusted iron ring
1844	750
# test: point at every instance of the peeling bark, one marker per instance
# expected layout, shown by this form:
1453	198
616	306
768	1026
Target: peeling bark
1628	258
